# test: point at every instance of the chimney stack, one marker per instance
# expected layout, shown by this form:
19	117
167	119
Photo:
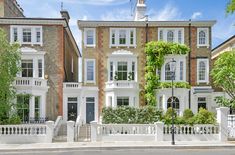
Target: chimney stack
65	15
140	11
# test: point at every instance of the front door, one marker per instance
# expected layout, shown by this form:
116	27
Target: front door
90	109
72	111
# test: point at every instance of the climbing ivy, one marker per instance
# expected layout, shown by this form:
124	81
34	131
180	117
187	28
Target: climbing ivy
155	53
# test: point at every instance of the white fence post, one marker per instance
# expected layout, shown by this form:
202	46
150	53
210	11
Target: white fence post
49	131
70	131
159	131
222	120
93	131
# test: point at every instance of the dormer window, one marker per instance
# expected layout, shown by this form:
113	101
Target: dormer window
122	37
26	34
203	37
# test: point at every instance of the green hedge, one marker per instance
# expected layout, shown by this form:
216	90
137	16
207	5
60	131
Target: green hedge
131	115
150	115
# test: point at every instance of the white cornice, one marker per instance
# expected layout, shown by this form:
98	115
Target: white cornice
83	24
32	21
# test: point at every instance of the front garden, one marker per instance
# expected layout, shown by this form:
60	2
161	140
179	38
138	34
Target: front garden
150	115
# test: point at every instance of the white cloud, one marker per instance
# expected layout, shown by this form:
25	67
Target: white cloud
117	15
98	2
196	15
169	12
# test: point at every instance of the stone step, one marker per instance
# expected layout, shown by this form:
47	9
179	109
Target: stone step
84	133
58	139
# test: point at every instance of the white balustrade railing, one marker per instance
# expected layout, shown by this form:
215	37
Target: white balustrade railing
231	126
25	81
57	125
192	130
71	85
127	129
122	84
23	130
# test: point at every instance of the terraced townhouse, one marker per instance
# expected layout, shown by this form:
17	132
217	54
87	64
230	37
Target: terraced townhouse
49	59
114	63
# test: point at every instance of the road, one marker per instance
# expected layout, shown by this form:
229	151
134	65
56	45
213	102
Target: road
222	151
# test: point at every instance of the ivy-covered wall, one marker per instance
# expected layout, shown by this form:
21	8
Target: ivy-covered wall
155	54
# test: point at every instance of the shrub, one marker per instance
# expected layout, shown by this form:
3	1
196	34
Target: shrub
204	117
14	120
167	118
131	115
188	114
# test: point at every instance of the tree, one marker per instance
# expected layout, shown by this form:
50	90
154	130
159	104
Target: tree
230	7
9	66
223	75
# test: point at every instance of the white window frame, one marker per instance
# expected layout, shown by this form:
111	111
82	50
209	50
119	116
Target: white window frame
20	34
178	59
175	33
94	69
94	37
206	30
128	33
206	61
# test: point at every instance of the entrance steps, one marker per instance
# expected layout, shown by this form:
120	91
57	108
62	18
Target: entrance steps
62	134
84	133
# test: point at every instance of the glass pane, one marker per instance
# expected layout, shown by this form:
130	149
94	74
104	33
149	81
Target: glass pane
90	99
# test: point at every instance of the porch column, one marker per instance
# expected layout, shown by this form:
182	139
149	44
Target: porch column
43	106
32	107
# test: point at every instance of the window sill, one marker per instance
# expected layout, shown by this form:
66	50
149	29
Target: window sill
89	46
202	46
127	46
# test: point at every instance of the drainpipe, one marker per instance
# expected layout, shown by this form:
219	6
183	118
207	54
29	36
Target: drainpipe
189	63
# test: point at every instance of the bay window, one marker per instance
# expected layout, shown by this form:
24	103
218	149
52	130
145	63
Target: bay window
122	71
122	101
27	68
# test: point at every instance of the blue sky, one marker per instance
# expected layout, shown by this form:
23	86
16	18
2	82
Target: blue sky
121	10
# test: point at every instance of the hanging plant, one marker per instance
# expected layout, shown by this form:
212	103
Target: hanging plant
155	55
129	76
116	76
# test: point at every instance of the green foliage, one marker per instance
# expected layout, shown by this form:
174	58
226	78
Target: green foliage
188	114
230	7
155	53
204	117
131	115
223	74
9	60
175	85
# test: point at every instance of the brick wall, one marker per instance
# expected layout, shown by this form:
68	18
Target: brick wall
10	8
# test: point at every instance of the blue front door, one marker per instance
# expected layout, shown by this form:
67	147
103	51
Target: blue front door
90	109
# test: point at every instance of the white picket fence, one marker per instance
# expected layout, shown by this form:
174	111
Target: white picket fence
26	133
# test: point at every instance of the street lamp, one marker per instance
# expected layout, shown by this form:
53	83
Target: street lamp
172	71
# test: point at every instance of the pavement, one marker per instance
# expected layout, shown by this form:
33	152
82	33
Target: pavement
116	145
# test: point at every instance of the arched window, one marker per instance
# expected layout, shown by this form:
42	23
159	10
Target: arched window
202	37
176	103
202	71
170	36
167	72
